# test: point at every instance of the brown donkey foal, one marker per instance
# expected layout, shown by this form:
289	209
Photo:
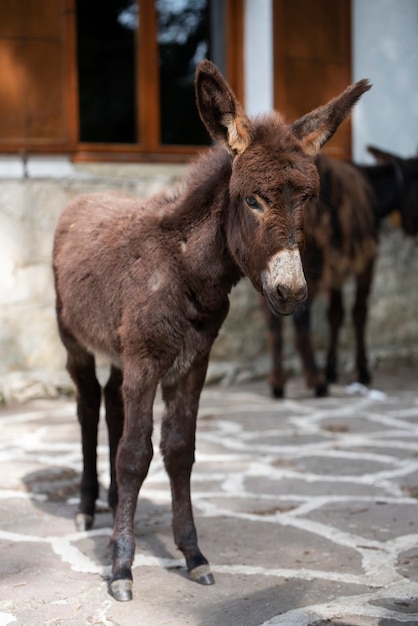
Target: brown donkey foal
147	284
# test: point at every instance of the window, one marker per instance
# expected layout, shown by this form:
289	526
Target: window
106	50
111	79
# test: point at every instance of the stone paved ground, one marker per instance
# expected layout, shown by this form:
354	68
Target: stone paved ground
306	508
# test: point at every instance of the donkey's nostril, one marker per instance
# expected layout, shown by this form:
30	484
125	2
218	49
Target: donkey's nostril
302	294
296	294
281	296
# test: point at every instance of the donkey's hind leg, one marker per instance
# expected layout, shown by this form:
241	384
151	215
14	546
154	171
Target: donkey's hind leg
177	446
81	367
114	419
335	315
359	313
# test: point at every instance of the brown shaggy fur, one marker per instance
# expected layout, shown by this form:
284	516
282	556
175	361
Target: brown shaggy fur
147	284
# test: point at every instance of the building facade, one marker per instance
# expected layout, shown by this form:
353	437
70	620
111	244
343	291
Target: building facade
99	94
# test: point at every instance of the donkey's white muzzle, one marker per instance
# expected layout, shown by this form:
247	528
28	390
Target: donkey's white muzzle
284	284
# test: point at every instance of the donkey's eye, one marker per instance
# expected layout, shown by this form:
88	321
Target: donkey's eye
253	203
306	197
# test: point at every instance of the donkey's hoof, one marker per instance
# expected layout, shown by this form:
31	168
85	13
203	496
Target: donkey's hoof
364	378
277	392
321	391
202	575
83	521
121	589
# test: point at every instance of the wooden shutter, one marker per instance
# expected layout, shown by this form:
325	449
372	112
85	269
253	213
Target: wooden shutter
312	60
35	85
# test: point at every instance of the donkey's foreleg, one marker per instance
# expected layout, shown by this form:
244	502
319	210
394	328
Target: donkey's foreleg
133	458
178	446
81	367
360	310
335	315
114	420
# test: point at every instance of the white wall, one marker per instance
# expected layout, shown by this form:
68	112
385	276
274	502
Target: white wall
258	56
385	50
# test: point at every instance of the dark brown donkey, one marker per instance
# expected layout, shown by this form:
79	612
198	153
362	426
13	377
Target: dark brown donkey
341	233
147	284
405	172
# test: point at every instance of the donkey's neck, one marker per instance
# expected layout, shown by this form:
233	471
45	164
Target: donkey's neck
195	222
204	191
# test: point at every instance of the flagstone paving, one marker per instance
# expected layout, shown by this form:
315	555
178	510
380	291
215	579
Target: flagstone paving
306	508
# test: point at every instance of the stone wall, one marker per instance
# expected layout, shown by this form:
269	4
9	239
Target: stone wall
29	208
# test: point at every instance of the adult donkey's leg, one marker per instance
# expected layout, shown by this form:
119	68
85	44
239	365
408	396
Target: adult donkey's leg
178	446
114	420
277	378
335	315
133	458
81	367
360	308
314	377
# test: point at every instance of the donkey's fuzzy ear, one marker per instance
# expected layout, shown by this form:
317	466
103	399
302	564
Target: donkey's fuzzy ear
382	156
219	109
317	127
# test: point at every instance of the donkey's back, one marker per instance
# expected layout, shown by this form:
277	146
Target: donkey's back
341	223
99	239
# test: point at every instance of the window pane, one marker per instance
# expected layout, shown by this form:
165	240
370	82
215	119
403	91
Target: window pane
184	38
106	33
